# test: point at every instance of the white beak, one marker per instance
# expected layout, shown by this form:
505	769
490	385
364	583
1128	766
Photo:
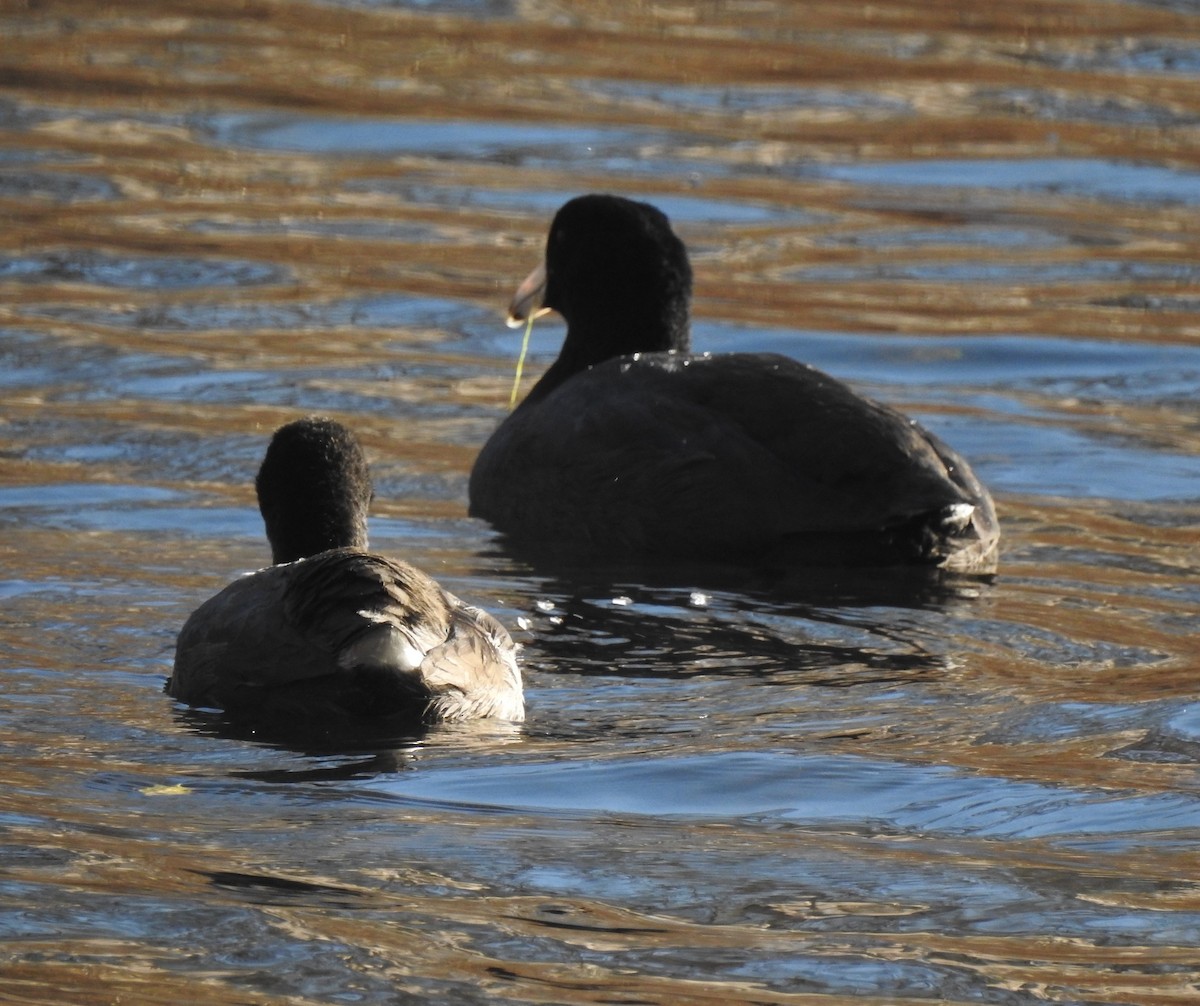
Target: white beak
527	301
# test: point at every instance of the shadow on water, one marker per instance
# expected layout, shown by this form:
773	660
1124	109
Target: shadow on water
334	749
265	889
380	744
804	587
832	626
627	641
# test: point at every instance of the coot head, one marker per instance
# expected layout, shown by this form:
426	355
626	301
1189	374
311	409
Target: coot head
314	489
617	274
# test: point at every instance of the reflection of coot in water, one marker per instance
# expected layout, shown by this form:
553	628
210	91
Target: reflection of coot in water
332	630
871	627
632	445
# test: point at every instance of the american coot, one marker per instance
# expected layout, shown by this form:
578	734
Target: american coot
631	446
333	630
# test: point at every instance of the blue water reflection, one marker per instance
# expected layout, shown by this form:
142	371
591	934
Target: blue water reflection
478	139
1120	181
969	791
805	790
145	273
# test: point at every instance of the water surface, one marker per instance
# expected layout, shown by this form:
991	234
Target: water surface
218	218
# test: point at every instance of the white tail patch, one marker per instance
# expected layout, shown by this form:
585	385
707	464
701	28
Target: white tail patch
957	516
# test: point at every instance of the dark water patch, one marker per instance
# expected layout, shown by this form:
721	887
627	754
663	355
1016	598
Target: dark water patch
426	193
1174	739
101	269
1179	6
56	186
1060	106
23	858
152	452
342	227
268	889
508	143
21	157
749	99
363	389
64	372
463	8
1151	387
1050	648
20	116
1153	302
81	915
1135	54
621	151
136	508
191	383
1062	721
29	360
1093	178
1160	749
989	271
370	311
849	974
24	588
632	632
81	495
132	508
990	236
243	945
543	203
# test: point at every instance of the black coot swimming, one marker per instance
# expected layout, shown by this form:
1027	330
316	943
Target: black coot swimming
633	447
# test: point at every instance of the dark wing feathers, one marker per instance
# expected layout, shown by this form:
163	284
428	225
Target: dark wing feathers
336	597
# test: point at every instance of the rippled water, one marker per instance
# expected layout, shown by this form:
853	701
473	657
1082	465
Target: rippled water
219	216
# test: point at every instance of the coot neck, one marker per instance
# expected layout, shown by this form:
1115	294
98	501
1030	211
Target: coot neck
308	531
588	344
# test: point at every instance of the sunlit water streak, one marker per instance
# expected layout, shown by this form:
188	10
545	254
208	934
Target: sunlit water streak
731	788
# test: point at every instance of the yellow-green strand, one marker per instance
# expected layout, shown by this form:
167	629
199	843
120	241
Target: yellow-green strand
512	399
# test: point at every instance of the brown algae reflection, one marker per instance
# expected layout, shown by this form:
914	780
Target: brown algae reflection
962	799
